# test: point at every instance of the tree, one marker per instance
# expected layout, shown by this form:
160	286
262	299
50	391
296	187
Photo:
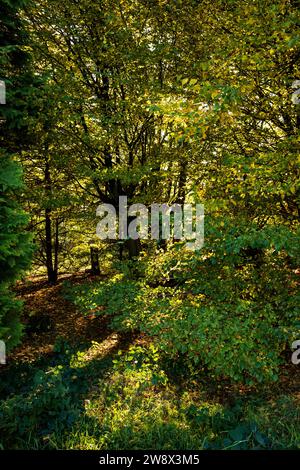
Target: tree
180	102
15	242
112	68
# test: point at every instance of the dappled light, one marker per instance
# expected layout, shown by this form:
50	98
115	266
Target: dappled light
149	227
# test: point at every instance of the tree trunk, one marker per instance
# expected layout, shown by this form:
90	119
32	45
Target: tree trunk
56	248
134	247
181	182
95	269
51	272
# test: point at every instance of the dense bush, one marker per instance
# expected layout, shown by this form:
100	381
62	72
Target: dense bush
15	246
231	309
45	408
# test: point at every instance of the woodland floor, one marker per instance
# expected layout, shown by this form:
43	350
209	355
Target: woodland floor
121	416
67	322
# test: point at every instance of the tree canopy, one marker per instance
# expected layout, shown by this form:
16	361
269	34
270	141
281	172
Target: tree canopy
167	102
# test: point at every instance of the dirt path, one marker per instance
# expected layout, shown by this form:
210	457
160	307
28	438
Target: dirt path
47	316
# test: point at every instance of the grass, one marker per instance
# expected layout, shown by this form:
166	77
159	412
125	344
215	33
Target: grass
118	392
97	398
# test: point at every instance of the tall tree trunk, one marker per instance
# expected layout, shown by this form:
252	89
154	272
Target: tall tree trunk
56	248
134	248
95	269
182	182
51	272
